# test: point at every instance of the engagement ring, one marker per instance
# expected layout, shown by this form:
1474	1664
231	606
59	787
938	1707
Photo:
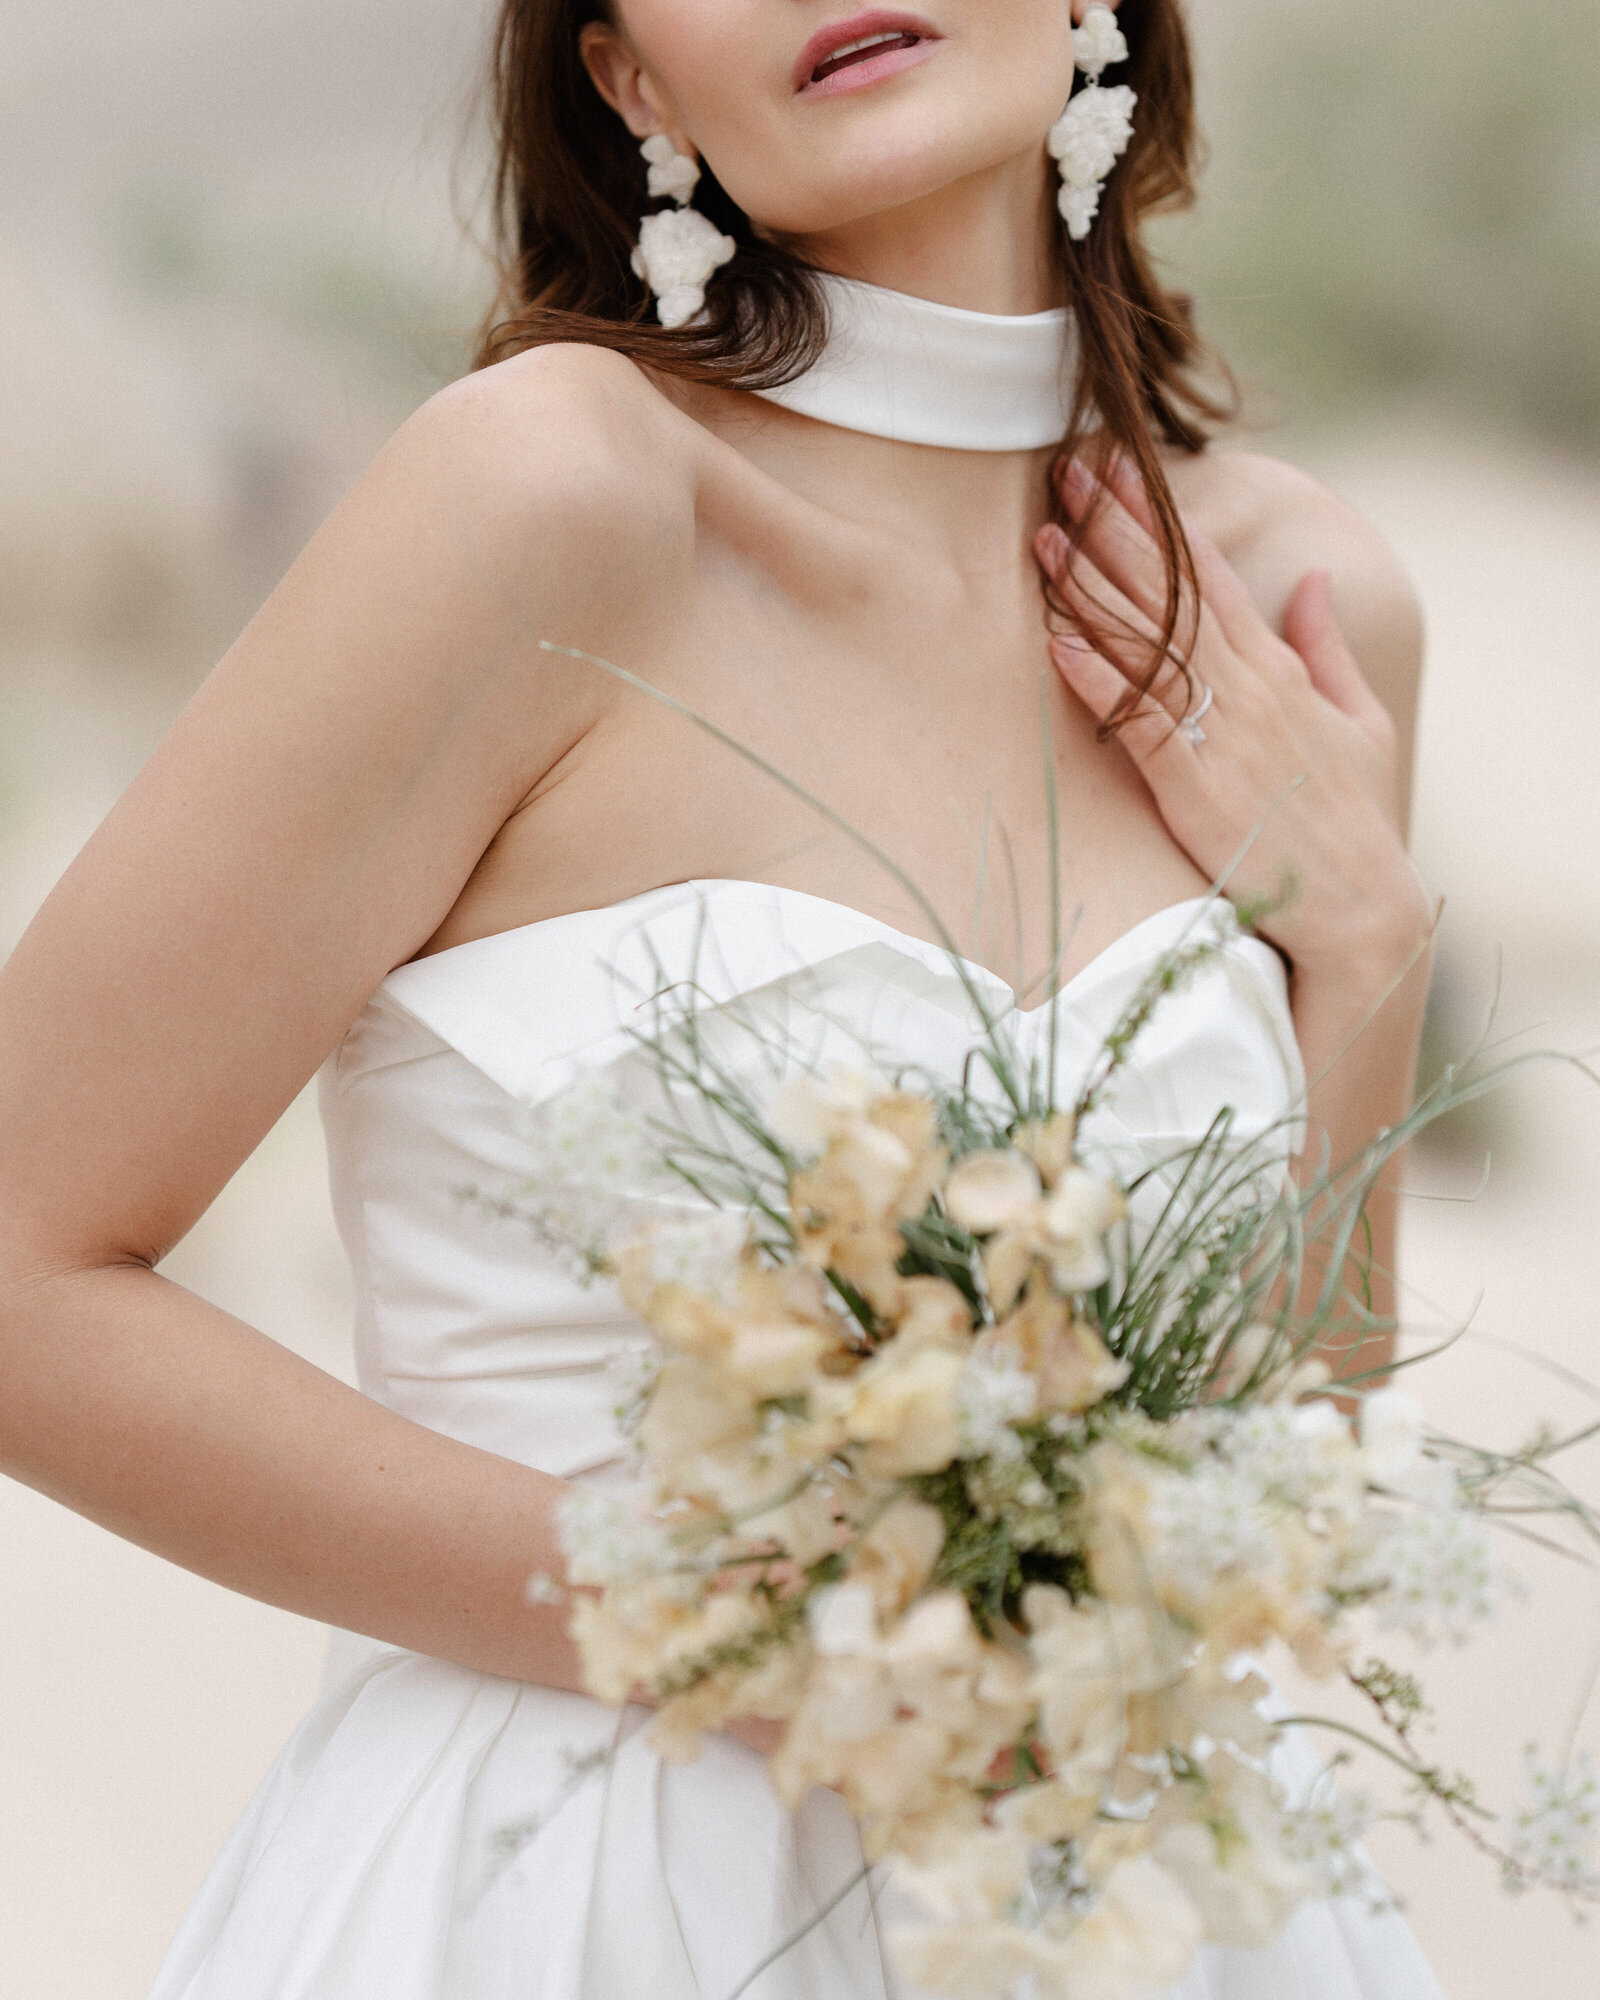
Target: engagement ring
1190	725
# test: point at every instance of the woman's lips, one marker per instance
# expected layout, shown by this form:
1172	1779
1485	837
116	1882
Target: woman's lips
855	54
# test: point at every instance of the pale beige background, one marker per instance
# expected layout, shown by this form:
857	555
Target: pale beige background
228	265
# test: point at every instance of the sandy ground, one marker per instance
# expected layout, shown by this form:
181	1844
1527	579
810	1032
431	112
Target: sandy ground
142	1705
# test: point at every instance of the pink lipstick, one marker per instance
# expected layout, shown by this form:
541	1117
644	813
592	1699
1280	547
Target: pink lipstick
864	50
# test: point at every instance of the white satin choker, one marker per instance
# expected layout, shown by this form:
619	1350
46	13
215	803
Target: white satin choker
904	368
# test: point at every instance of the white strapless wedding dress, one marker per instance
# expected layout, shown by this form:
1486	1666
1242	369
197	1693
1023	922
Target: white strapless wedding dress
367	1866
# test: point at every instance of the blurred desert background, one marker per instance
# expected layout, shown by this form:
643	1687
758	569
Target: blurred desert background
232	258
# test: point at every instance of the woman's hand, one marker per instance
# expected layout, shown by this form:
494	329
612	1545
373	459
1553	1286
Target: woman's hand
1297	769
1291	781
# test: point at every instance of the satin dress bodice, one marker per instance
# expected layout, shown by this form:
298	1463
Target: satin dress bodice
467	1323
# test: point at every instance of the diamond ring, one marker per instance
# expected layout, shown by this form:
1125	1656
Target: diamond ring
1190	725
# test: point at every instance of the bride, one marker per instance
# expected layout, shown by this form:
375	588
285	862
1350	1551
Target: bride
829	508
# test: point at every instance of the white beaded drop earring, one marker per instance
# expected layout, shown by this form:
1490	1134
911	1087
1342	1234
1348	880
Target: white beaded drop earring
1092	134
678	247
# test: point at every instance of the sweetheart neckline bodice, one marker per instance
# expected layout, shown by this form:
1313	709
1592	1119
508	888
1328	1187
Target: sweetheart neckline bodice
480	1070
712	885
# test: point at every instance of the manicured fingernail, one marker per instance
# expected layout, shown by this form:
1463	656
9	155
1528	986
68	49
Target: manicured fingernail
1077	479
1052	547
1070	645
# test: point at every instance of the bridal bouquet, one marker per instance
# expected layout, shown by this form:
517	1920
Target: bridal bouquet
992	1480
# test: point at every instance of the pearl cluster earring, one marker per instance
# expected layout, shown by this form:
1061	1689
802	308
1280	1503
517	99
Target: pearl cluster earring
1092	134
678	248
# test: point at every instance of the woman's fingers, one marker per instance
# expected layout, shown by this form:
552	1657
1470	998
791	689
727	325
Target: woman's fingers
1081	582
1225	596
1149	732
1123	543
1122	537
1311	628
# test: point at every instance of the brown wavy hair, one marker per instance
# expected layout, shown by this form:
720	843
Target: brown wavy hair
569	188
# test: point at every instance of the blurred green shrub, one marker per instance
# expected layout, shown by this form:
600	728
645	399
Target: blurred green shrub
399	313
1403	200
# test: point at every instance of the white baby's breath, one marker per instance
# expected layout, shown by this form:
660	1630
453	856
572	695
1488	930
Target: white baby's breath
611	1537
1209	1521
1554	1832
631	1375
701	1252
1393	1432
1325	1837
1437	1573
589	1159
991	1397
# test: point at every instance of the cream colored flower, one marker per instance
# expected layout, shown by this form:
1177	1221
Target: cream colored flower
807	1111
1045	1814
1063	1354
642	1634
977	1881
990	1189
692	1408
969	1961
1141	1934
906	1724
905	1411
843	1620
771	1690
1050	1144
804	1526
1205	1703
1231	1555
880	1166
1090	1660
931	1312
1079	1213
896	1556
1225	1842
771	1359
1065	1231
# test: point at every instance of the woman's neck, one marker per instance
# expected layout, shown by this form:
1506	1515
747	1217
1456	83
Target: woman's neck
985	243
976	511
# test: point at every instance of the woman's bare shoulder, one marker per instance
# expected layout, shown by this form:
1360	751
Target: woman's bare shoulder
564	465
1274	522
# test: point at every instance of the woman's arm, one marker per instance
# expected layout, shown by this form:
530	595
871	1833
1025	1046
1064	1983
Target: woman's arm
305	827
1302	764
